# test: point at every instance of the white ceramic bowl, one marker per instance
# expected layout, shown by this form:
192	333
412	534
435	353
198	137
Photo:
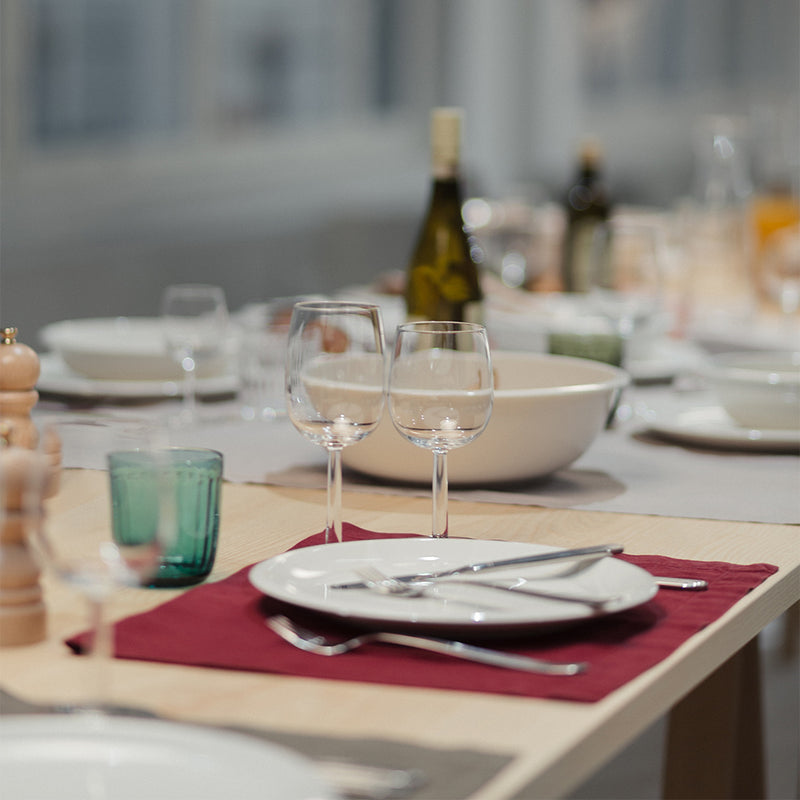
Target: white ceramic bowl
758	389
547	411
119	349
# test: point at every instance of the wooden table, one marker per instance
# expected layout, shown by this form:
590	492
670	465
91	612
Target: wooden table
557	744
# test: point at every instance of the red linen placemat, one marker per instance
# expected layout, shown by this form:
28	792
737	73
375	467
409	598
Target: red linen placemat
222	625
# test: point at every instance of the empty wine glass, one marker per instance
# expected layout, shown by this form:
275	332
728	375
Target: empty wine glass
626	275
93	562
335	383
194	318
440	394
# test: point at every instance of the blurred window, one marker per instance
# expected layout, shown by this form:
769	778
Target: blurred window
115	70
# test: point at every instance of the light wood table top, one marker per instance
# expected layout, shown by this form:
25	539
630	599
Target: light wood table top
557	744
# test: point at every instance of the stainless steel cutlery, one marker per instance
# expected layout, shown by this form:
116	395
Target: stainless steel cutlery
576	554
313	642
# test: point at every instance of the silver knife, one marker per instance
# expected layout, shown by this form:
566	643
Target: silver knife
575	554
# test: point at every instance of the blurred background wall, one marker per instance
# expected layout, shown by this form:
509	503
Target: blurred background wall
280	146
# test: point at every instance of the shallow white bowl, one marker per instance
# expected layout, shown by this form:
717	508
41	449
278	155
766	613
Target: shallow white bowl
758	389
547	411
119	349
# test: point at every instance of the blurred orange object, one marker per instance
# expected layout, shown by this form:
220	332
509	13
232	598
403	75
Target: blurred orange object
771	212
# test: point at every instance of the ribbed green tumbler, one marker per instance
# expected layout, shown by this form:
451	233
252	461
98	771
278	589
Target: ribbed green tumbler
175	492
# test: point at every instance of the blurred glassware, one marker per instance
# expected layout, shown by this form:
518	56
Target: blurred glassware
721	161
194	319
502	238
626	280
719	287
93	563
775	204
262	361
779	270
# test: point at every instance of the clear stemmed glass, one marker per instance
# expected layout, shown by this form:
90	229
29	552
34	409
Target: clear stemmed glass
194	318
441	391
626	275
335	383
94	563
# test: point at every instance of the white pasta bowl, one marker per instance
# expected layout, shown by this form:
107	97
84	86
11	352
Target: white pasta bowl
547	411
758	389
119	349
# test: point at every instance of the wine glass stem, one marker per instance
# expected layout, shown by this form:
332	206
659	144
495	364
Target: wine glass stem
439	530
100	655
189	389
333	526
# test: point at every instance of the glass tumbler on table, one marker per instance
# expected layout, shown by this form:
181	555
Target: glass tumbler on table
335	383
441	392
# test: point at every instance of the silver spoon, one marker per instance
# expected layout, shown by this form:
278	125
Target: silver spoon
312	642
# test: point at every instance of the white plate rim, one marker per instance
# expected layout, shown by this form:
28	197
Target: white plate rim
399	555
57	378
254	763
711	425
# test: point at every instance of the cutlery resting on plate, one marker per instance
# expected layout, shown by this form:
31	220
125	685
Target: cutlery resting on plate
307	578
574	554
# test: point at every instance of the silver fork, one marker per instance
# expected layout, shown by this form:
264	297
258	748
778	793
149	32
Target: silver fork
312	642
378	582
385	584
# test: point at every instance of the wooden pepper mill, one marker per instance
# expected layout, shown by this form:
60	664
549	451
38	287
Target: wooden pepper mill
23	477
19	371
29	472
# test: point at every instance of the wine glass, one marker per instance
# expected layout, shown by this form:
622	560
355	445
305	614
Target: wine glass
440	394
93	562
194	318
335	383
626	275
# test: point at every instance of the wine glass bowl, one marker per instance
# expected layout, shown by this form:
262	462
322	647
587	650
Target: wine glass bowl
335	379
440	394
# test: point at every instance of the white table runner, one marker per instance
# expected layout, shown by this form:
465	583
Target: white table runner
625	470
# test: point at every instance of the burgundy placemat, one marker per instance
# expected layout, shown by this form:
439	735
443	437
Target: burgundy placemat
222	625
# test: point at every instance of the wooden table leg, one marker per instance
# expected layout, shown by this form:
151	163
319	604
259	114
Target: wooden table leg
714	737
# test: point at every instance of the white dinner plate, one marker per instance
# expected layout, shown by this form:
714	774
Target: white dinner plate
57	378
75	756
711	426
305	578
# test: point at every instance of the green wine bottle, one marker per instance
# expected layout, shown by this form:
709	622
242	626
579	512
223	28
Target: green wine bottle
587	205
442	279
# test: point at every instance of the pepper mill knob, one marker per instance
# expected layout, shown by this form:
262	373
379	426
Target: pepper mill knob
19	364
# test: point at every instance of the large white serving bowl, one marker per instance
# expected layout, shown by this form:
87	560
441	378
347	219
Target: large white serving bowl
120	349
758	389
547	411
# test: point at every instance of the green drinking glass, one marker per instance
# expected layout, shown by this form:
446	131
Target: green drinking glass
170	497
